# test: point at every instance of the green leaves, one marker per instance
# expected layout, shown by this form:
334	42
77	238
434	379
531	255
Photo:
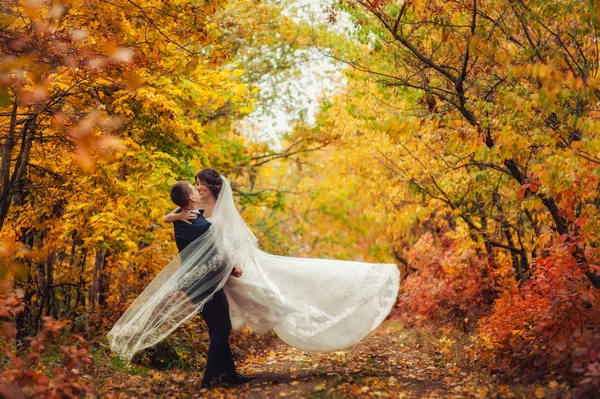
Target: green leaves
5	98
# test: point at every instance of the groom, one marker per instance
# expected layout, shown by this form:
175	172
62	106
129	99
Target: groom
220	369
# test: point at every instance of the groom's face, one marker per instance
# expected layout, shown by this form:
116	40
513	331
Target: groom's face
194	196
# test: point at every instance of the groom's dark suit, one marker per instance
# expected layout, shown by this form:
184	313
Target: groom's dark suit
215	312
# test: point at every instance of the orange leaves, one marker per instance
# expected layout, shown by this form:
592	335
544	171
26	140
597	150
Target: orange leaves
446	283
521	192
531	187
531	184
52	326
546	310
10	305
24	377
376	4
132	79
88	143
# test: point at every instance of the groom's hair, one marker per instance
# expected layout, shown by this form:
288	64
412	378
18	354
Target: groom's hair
212	179
180	193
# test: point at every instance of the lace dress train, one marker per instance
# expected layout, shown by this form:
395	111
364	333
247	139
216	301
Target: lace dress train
312	304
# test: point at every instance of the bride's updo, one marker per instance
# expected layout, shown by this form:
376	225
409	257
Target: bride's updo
212	179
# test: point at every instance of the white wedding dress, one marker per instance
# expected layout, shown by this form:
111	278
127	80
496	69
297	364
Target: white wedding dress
311	304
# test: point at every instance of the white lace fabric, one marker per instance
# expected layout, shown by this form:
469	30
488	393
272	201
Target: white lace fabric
318	304
175	295
311	304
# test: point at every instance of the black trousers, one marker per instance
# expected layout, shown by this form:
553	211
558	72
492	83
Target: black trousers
216	315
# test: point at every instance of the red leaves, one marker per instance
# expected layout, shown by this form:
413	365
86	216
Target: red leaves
17	362
448	284
531	184
12	392
53	326
546	324
10	305
24	380
374	5
75	358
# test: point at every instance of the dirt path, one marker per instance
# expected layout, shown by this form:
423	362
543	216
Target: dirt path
392	362
380	366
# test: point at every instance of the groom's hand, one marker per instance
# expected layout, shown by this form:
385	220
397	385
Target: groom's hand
237	271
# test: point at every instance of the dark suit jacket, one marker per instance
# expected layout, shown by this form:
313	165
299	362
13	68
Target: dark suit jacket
186	233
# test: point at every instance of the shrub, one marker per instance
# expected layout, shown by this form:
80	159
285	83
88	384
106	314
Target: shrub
547	326
450	283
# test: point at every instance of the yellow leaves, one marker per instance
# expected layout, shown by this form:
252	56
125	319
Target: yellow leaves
540	392
237	72
474	42
445	345
132	79
246	109
504	57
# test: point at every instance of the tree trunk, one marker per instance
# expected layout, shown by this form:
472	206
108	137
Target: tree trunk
80	299
98	278
24	322
11	181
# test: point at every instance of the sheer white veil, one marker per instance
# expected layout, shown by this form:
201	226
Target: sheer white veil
188	282
234	236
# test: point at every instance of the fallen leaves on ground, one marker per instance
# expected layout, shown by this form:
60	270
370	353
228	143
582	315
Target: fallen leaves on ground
392	362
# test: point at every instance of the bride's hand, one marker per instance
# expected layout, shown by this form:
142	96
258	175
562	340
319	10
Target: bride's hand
237	271
184	216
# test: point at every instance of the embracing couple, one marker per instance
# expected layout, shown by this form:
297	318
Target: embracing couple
220	272
189	222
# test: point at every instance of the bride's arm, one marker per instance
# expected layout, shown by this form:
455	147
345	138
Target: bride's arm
184	216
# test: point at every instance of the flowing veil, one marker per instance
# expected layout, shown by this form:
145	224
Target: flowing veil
311	304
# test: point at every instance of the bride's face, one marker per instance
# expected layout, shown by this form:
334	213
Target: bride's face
204	190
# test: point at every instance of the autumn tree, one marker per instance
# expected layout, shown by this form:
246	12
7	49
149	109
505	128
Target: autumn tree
470	130
510	87
136	94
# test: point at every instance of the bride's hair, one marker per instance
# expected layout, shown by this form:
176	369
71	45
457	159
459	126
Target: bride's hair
212	179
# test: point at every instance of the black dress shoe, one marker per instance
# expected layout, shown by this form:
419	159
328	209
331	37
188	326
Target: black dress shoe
236	379
226	381
210	384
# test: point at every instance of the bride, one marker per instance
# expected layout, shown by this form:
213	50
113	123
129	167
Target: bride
311	304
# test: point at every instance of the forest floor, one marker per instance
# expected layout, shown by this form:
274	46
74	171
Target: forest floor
392	362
